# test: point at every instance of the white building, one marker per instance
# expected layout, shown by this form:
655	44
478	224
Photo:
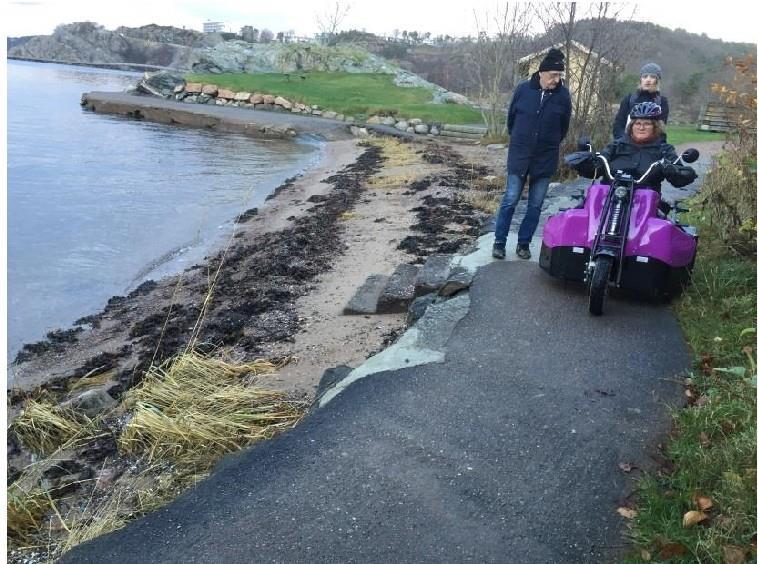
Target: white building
212	27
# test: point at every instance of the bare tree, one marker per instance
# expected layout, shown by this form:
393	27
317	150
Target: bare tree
330	22
592	37
494	58
266	36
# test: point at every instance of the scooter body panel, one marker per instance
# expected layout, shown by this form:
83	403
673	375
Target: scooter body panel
657	257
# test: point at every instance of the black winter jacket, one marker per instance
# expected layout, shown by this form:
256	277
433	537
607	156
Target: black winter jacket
538	120
619	124
624	154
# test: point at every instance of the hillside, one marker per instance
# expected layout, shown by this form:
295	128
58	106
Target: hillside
690	61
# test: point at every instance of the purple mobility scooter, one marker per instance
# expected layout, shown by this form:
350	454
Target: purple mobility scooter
620	239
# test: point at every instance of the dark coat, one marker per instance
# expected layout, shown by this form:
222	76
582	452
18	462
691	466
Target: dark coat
537	124
619	124
624	154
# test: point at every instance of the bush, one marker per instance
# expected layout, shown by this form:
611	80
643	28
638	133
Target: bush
729	190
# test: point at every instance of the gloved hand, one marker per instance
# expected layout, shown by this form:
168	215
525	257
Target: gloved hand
670	171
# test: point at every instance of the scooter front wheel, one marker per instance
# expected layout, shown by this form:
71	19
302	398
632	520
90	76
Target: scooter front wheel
599	283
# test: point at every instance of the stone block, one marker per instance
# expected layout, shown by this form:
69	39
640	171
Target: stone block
366	298
459	279
225	94
398	293
193	88
210	89
433	274
269	99
283	102
242	96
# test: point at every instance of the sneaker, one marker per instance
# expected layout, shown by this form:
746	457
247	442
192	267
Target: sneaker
498	251
522	251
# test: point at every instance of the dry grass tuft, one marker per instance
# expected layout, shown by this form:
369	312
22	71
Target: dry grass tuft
93	380
396	153
197	408
485	193
25	513
393	180
44	427
347	216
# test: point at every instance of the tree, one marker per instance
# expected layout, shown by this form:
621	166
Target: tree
592	75
494	58
330	22
266	36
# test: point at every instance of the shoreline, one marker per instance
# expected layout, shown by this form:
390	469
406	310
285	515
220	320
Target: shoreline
256	123
132	67
281	204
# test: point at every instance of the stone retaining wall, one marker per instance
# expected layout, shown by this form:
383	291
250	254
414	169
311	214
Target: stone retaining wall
169	86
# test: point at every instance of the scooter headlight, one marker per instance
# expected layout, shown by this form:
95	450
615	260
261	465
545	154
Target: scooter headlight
621	192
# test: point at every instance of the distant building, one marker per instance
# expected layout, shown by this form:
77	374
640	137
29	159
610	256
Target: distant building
213	27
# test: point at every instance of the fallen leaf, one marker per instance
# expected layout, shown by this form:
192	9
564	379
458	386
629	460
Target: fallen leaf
626	512
693	518
701	401
645	555
734	554
704	440
626	467
689	393
703	503
672	549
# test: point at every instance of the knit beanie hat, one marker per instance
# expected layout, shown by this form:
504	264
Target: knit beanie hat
651	68
553	61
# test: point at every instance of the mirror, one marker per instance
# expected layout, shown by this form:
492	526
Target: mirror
690	155
583	143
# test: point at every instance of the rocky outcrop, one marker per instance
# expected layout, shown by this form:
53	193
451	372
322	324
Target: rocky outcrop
87	42
183	49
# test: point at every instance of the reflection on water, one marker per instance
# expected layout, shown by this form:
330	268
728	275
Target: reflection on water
97	204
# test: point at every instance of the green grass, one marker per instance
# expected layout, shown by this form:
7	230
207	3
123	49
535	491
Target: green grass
689	133
713	448
359	95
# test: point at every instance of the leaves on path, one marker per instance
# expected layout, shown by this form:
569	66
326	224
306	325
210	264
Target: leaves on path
693	518
703	503
626	512
734	554
671	550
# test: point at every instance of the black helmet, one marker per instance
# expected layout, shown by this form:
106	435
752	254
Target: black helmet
646	110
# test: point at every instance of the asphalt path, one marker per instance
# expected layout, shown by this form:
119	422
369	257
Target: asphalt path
507	451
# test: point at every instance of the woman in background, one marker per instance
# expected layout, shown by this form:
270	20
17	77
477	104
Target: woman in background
648	91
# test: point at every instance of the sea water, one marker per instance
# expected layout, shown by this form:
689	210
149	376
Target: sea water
98	204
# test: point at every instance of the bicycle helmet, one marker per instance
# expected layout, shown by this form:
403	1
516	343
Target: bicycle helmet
646	110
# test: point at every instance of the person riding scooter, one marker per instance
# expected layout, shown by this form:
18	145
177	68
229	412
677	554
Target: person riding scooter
634	152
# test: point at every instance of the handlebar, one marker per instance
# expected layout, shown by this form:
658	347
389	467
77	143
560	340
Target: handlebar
638	180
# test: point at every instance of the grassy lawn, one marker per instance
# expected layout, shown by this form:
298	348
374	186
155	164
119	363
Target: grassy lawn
359	95
711	475
682	134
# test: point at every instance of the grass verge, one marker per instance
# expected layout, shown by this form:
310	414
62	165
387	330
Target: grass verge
356	94
689	133
703	509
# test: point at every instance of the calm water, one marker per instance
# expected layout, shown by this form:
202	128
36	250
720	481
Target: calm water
98	204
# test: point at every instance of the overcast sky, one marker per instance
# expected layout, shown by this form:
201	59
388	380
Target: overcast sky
730	21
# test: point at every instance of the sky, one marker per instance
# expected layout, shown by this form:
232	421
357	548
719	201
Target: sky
40	17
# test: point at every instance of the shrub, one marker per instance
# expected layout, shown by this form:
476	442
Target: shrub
729	190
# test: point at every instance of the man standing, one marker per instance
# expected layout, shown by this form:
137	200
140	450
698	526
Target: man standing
538	120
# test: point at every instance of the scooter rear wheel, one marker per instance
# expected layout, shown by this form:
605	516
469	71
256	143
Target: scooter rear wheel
599	284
